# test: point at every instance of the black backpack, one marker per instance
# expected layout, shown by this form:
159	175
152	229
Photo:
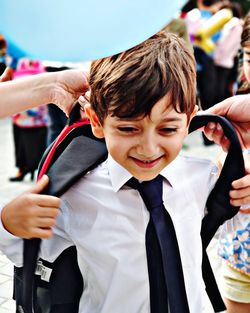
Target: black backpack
72	155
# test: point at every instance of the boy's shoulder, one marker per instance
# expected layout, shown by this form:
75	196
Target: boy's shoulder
190	163
191	169
92	180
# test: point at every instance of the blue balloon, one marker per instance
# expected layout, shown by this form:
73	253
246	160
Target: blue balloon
81	30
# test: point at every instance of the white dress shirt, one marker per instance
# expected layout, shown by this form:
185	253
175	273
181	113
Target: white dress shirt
107	222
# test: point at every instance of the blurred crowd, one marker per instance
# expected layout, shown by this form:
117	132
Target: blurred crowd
213	30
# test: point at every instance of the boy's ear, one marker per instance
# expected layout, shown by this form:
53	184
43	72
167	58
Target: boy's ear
97	128
196	109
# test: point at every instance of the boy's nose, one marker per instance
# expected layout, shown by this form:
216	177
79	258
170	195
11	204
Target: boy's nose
148	146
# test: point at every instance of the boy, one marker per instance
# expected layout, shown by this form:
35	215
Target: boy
142	101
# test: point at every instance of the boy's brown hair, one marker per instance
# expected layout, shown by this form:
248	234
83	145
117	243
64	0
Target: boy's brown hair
128	85
245	35
244	86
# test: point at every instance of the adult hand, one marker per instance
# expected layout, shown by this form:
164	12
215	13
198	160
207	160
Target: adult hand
237	110
31	215
70	85
62	88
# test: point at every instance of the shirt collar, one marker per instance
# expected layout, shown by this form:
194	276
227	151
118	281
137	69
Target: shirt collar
172	172
119	175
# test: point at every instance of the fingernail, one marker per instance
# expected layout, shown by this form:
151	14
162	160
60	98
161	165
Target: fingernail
211	125
218	127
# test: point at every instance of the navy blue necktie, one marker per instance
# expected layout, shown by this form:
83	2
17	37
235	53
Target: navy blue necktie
167	287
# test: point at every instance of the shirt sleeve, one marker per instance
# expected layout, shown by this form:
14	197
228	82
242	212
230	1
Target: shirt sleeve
52	247
11	245
211	181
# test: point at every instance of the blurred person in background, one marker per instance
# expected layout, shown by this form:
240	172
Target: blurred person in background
29	127
226	52
206	74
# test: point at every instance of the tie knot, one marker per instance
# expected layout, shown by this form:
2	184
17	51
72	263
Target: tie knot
150	191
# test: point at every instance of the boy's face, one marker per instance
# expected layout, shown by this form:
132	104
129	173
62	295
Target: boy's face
144	146
246	64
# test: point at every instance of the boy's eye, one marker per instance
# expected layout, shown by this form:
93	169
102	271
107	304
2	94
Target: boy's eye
127	129
168	130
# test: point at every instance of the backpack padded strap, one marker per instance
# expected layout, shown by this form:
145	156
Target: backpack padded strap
77	158
218	204
80	156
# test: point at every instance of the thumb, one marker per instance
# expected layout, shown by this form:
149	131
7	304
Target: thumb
222	108
219	109
40	185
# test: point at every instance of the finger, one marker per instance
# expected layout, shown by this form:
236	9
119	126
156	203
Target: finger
240	202
45	222
241	182
209	130
40	185
225	143
218	134
82	101
42	233
44	212
240	193
220	108
43	201
214	132
245	211
87	96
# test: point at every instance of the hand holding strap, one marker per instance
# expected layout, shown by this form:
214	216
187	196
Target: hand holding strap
218	204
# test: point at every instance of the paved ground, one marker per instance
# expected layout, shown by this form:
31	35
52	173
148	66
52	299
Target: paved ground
10	190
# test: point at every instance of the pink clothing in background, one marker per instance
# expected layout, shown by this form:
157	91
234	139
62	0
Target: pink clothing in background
228	44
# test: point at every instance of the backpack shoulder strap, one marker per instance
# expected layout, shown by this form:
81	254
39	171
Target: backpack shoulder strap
218	204
80	156
74	157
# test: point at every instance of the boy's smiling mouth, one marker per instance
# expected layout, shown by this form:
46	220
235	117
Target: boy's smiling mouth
146	163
